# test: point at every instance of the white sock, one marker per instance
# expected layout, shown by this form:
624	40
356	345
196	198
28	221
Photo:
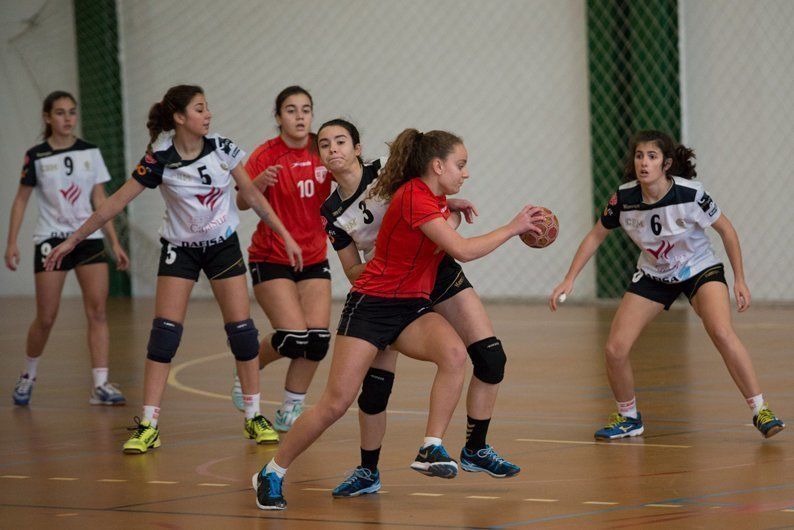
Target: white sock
272	467
100	376
628	409
32	364
756	403
429	440
151	413
291	399
251	404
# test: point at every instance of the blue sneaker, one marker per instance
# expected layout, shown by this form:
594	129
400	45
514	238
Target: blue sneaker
267	487
107	394
620	427
361	482
768	423
487	460
434	461
22	390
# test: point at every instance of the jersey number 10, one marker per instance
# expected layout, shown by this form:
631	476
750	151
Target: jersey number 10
306	188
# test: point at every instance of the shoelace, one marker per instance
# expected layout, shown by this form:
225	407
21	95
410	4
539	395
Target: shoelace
139	428
24	384
765	415
489	452
614	420
359	472
262	422
109	389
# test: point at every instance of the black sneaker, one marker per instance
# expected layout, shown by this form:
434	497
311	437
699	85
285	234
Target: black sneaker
268	491
434	461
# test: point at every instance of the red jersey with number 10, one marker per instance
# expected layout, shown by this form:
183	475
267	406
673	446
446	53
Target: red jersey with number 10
406	260
302	187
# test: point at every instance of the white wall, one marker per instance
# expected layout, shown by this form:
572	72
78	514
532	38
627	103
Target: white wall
37	56
510	77
739	72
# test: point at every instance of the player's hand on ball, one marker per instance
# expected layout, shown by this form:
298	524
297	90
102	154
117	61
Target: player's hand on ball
549	230
560	294
526	220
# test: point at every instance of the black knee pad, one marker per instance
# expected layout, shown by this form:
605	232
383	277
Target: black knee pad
243	339
319	340
163	340
375	391
489	359
290	343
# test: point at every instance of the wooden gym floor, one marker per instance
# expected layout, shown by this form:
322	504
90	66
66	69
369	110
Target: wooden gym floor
699	465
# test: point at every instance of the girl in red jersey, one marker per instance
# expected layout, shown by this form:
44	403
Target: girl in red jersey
297	302
69	176
196	173
389	302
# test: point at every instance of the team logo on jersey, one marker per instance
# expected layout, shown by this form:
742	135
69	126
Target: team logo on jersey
149	158
680	222
320	173
663	250
305	163
613	200
71	194
211	198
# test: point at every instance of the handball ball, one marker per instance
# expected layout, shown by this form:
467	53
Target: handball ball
549	226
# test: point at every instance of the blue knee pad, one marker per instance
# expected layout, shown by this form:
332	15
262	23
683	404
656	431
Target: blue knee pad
163	340
290	343
243	339
319	340
375	391
489	359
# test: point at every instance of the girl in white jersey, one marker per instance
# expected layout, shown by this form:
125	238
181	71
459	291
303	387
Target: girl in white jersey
196	173
68	175
666	216
353	217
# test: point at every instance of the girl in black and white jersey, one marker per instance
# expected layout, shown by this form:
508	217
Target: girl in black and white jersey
353	217
196	173
666	213
68	175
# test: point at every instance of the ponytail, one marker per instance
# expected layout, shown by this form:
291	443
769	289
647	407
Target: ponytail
161	114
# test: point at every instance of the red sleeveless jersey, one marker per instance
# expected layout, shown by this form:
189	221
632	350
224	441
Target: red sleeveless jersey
406	260
303	185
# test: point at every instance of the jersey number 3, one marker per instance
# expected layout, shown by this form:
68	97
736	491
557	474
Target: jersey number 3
368	217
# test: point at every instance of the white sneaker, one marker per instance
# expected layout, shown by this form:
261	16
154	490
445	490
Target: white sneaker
285	419
107	394
237	394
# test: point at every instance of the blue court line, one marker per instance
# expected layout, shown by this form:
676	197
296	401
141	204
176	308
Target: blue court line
681	500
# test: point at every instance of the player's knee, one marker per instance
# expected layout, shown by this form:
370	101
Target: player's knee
375	391
290	343
163	340
243	339
453	356
489	359
319	341
616	350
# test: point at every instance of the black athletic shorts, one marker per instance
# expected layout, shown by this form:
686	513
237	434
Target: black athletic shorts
86	252
377	320
262	271
219	261
450	280
666	293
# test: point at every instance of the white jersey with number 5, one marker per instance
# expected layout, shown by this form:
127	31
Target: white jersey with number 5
199	210
670	232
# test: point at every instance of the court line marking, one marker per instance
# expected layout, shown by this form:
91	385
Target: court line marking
601	503
427	494
317	489
653	505
789	510
542	500
63	478
112	480
580	442
482	497
161	482
174	382
213	485
15	476
66	514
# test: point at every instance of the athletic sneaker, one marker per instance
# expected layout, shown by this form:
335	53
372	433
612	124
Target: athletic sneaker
260	429
434	461
620	427
22	390
107	394
144	438
267	487
487	460
361	482
284	420
767	422
237	394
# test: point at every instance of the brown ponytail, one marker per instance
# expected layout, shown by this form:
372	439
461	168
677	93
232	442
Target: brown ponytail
410	155
161	115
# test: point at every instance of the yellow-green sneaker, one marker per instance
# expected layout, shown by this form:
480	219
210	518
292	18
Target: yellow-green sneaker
767	422
260	429
143	438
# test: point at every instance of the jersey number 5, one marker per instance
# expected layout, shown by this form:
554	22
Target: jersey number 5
205	179
306	188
